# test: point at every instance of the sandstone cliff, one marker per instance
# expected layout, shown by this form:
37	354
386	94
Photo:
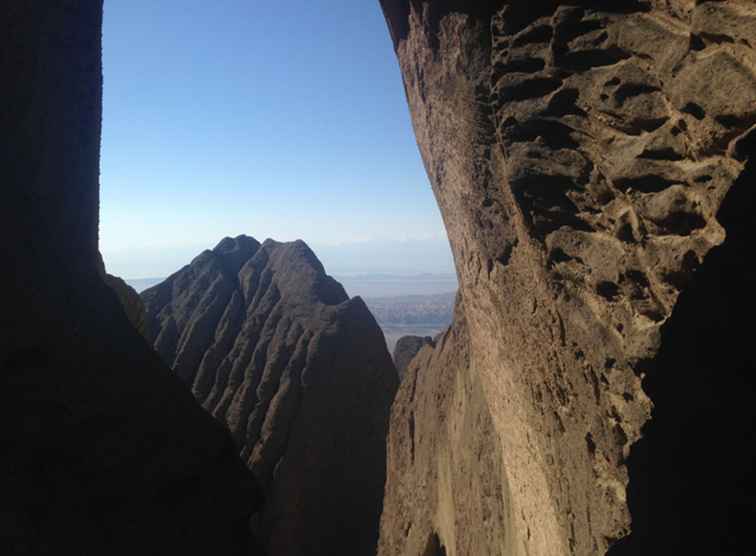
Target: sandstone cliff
580	153
104	450
274	348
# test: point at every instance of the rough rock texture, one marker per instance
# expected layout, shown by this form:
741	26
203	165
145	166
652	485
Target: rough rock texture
274	348
441	424
406	348
104	450
580	153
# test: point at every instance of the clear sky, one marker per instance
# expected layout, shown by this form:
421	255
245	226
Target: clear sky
274	119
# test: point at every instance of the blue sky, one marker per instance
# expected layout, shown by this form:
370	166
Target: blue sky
274	119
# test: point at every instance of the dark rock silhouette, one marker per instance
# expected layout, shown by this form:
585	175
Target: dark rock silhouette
274	348
104	450
128	297
406	348
130	301
580	153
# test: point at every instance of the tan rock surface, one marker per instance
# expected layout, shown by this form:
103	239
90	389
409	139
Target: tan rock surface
579	158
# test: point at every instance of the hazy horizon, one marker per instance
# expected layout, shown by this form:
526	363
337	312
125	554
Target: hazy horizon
398	258
253	121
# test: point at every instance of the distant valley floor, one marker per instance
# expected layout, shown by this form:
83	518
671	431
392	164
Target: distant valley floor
393	333
412	315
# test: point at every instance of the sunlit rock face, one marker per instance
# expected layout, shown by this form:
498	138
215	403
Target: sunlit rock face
104	450
583	155
274	348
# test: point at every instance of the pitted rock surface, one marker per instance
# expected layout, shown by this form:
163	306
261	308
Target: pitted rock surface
274	348
579	152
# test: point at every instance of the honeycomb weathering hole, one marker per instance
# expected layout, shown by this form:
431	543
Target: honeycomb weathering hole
704	416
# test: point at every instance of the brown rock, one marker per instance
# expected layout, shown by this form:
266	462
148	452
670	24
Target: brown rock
274	348
441	424
407	347
580	153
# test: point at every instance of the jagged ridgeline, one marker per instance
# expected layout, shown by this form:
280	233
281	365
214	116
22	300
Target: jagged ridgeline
273	347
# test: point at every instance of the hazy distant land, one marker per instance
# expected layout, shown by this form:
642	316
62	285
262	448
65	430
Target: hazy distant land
417	315
395	285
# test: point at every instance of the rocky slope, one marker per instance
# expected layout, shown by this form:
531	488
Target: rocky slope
275	349
441	424
580	153
104	450
405	350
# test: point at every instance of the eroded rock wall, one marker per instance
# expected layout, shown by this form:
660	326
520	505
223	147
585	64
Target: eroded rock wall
579	152
274	348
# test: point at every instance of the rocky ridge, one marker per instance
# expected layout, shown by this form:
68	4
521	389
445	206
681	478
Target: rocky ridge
275	349
580	154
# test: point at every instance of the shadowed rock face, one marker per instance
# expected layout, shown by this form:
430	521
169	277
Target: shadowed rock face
104	450
127	296
130	301
274	348
580	158
406	348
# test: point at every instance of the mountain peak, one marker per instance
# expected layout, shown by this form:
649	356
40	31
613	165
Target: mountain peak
297	371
